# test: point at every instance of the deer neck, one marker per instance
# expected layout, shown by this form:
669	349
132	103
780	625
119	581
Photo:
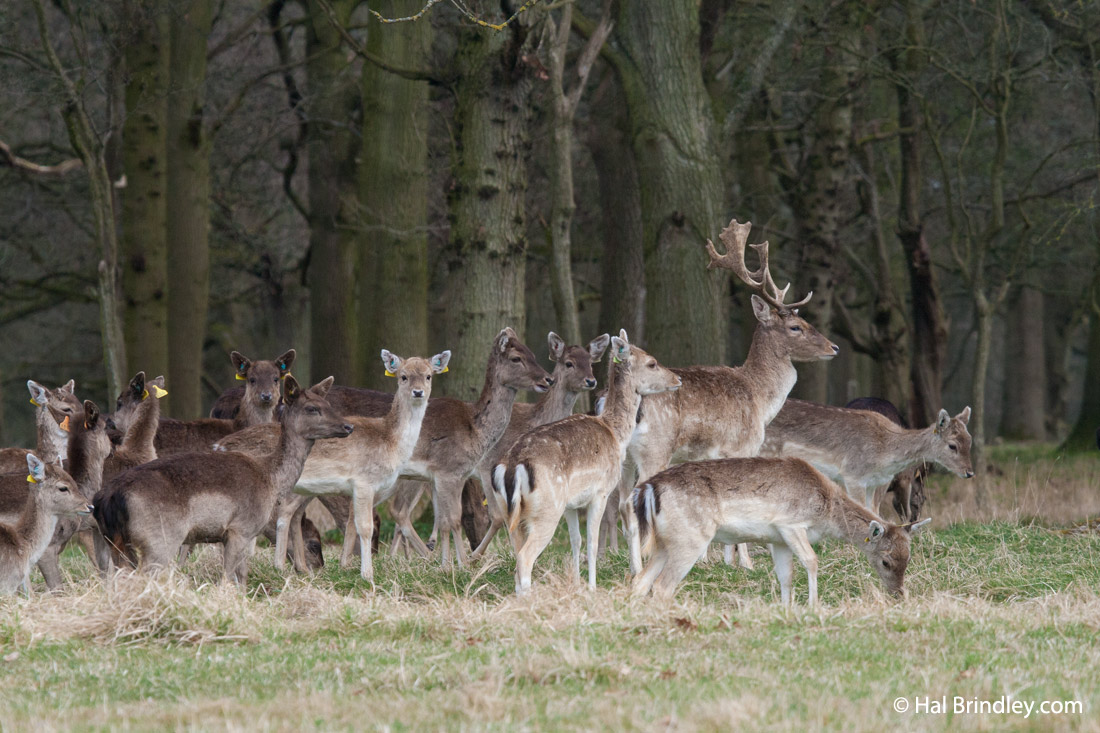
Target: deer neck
52	441
770	370
848	519
286	463
621	409
138	441
556	404
493	408
85	466
36	527
403	421
251	414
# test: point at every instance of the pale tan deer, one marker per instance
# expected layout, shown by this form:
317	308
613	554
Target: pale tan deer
785	502
51	430
572	375
256	406
559	468
364	465
863	450
720	411
218	497
48	492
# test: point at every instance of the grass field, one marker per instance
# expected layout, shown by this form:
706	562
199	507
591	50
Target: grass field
1005	606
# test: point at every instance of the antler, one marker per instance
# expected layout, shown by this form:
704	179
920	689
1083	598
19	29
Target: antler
760	280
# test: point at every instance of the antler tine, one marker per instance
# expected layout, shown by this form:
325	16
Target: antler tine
781	295
734	237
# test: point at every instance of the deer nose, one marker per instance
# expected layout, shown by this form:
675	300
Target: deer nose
418	393
265	396
110	423
589	383
549	381
348	429
969	474
836	349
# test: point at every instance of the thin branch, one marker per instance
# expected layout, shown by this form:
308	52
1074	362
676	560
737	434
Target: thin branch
7	157
237	33
591	49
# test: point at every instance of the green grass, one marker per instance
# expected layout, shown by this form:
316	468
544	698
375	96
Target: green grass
995	608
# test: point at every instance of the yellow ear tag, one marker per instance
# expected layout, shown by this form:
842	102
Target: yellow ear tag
284	376
31	479
484	502
145	395
444	370
65	424
390	374
239	377
617	360
35	403
158	392
866	539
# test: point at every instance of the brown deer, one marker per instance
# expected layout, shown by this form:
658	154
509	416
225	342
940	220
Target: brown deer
782	501
365	465
720	411
906	490
228	498
454	436
572	375
51	431
863	450
256	406
48	492
559	468
228	404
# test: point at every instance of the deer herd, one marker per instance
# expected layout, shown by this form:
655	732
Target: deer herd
692	456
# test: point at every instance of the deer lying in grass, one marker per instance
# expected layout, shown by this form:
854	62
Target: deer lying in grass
863	450
572	375
455	435
48	492
721	412
256	406
558	468
782	501
365	465
906	490
155	508
50	428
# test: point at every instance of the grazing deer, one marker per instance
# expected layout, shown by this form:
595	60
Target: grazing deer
48	491
255	406
906	490
721	412
364	466
50	427
572	375
863	450
558	468
155	508
455	435
785	502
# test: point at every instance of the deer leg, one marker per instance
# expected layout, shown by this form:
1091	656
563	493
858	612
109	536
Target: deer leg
235	557
609	529
643	581
50	564
496	520
363	511
679	563
285	511
783	560
800	545
572	520
595	514
538	537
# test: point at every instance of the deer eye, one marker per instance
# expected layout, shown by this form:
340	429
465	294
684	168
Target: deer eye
63	487
516	360
252	380
652	365
313	411
429	377
568	365
404	378
954	448
886	564
796	329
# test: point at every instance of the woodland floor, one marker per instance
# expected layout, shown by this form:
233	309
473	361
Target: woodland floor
1004	601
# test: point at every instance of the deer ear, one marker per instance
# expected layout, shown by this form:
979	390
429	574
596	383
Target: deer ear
91	415
620	349
392	362
875	530
623	336
241	364
39	394
137	385
761	309
36	469
597	346
964	416
69	386
557	346
321	388
942	421
503	337
440	361
291	390
284	362
916	526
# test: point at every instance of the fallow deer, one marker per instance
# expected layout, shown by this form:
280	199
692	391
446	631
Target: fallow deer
256	406
558	468
906	490
863	450
50	428
365	465
572	375
782	501
228	404
455	435
721	412
224	498
48	492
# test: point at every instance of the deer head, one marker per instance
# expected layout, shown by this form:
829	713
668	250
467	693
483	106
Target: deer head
887	548
517	367
261	378
798	339
309	414
414	375
647	376
952	443
54	489
573	364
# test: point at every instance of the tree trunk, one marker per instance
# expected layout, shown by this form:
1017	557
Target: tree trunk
144	230
929	331
393	186
622	285
1025	365
485	257
188	207
1084	433
332	100
983	314
681	188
